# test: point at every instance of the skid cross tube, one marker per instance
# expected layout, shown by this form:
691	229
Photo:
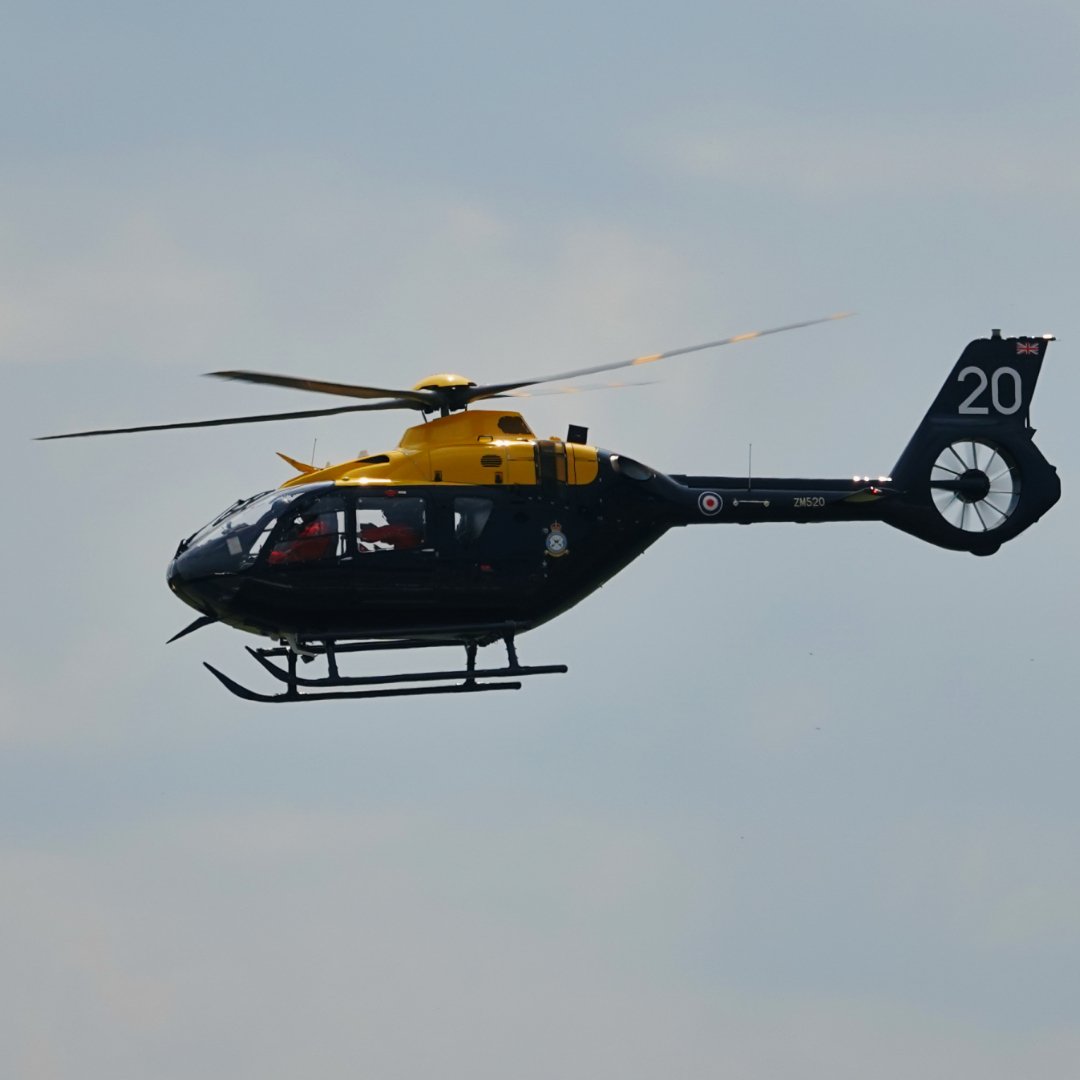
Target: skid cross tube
334	685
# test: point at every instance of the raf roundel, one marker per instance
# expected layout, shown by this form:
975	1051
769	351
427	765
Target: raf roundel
709	503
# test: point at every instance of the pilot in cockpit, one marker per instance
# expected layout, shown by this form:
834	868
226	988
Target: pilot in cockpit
310	537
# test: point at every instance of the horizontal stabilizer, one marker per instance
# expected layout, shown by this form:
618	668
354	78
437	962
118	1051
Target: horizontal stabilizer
299	466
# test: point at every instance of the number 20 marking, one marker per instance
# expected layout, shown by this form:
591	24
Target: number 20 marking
994	382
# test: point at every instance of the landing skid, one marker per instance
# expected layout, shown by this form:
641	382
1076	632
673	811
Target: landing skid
333	686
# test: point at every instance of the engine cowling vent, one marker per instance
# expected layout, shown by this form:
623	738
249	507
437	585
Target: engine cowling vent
491	461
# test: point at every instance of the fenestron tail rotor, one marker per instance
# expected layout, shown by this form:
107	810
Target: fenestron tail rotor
441	393
975	485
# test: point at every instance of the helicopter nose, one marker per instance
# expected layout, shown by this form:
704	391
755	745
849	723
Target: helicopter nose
205	592
188	590
181	571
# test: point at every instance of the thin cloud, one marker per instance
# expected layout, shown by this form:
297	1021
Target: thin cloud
815	159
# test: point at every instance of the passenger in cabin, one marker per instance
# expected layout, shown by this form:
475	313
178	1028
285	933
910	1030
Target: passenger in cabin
404	528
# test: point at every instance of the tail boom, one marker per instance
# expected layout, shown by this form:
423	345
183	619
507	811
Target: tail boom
970	479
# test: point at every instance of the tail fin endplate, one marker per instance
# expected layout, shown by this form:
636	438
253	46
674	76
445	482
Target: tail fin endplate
971	477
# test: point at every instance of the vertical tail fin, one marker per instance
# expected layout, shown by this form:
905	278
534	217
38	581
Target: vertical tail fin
971	476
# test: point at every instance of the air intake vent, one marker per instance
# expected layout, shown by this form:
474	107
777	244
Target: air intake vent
378	459
491	461
513	425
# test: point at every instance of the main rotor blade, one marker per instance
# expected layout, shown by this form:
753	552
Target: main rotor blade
318	386
575	389
479	392
399	404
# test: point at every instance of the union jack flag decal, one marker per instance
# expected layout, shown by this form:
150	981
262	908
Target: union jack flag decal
1027	348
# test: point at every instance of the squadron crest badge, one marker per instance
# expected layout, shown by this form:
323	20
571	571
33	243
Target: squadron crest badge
556	543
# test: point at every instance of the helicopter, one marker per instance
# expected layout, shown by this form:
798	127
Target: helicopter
473	530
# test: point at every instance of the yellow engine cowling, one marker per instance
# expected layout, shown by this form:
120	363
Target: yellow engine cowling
478	448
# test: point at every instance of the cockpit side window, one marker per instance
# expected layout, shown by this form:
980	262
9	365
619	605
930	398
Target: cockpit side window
312	532
470	517
390	523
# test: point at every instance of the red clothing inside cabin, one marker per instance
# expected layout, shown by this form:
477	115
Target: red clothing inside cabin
400	537
313	541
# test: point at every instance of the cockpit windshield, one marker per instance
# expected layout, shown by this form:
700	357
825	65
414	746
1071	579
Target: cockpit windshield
235	537
238	512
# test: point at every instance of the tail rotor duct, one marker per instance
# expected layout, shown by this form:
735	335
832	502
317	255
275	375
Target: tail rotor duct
975	485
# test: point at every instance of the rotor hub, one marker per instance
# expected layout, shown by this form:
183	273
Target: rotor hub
973	486
444	381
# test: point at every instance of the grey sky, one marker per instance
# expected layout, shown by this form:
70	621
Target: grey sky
806	802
